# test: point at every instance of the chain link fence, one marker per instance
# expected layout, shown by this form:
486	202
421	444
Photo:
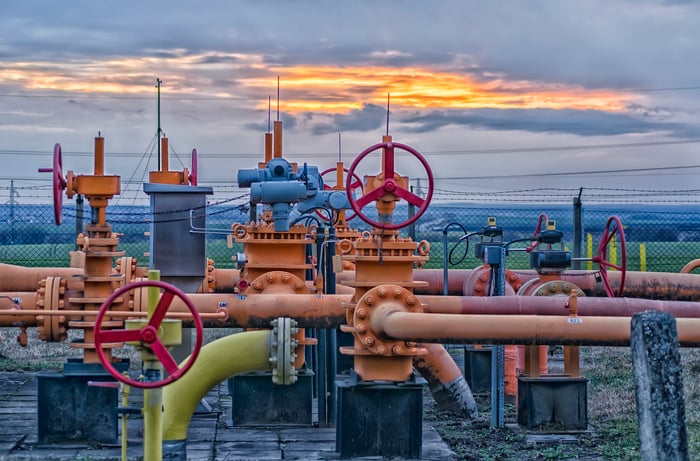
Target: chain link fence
659	237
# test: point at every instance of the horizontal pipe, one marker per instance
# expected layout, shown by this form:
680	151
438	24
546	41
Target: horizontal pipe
393	323
554	305
327	311
20	278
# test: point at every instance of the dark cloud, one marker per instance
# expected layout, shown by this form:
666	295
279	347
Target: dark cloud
578	122
288	121
369	118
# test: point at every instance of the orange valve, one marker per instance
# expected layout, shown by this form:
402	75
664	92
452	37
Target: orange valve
59	184
389	185
356	185
148	335
612	227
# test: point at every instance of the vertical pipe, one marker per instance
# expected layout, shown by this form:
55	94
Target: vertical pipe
152	398
642	257
277	128
329	288
613	252
164	154
99	156
589	250
268	147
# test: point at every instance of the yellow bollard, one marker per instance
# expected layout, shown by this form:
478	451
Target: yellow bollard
589	248
643	257
613	253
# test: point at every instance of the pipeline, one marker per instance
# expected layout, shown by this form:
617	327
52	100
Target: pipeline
392	322
325	311
20	278
217	361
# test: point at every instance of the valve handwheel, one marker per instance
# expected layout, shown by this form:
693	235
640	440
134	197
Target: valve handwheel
612	227
148	335
193	174
389	185
59	183
355	185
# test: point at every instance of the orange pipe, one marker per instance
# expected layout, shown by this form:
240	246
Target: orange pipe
20	278
99	156
277	129
554	305
164	155
326	311
393	323
268	147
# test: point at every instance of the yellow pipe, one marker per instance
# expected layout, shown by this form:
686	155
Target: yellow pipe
152	398
125	403
643	257
217	361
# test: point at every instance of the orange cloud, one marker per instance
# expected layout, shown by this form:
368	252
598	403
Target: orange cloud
329	89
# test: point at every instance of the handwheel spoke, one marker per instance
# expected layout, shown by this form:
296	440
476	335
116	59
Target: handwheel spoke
370	197
161	309
164	356
410	197
119	336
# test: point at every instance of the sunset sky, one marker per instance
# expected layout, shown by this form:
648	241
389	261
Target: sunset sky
497	96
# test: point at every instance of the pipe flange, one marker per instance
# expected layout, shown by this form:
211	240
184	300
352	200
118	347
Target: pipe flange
126	266
477	283
51	328
282	356
278	282
393	296
536	287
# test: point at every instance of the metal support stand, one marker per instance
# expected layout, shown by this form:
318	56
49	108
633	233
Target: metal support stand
394	432
498	354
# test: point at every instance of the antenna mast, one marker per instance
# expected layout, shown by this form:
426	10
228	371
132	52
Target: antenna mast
158	82
387	113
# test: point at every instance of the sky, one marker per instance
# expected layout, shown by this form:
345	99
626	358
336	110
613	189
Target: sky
500	98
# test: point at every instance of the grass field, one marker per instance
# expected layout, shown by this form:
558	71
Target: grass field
660	256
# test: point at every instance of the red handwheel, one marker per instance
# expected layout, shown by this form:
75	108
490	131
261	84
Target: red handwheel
59	183
612	227
148	335
389	185
356	185
193	174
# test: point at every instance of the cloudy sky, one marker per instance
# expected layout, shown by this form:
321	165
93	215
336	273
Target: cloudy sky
497	96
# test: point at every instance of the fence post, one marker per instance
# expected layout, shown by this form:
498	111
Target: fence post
411	213
658	386
79	207
578	232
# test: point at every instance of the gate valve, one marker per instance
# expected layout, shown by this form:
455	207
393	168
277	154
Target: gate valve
97	188
495	235
154	334
278	185
548	258
612	228
390	189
